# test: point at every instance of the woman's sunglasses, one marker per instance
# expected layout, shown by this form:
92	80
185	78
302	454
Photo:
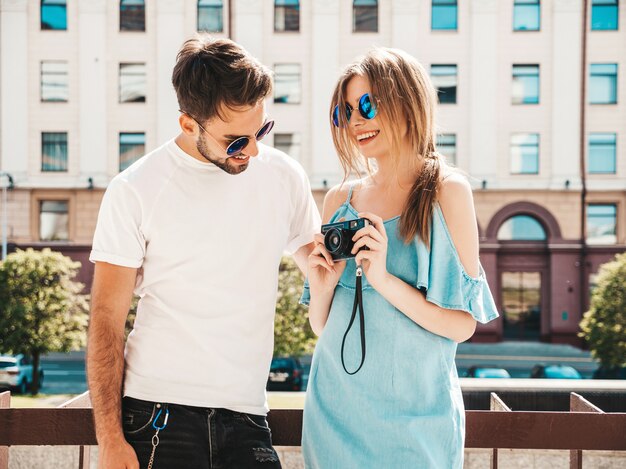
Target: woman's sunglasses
235	147
367	109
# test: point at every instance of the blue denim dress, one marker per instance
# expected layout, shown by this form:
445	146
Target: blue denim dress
404	408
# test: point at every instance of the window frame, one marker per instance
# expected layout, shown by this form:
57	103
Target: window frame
590	240
41	80
145	82
209	8
41	14
276	75
515	76
364	8
119	140
615	83
65	166
520	4
513	145
438	5
598	143
123	27
438	89
597	7
285	7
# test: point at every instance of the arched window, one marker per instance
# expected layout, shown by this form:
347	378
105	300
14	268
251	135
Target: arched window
521	228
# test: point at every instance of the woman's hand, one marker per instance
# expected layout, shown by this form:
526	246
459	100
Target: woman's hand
323	272
374	259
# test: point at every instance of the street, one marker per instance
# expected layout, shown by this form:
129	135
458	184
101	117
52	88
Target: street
65	373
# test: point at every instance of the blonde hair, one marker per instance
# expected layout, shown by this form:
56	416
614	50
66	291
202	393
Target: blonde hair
403	93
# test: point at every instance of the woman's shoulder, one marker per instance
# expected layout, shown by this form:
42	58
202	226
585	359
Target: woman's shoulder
336	197
453	184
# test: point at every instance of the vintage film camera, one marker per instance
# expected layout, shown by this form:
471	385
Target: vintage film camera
338	237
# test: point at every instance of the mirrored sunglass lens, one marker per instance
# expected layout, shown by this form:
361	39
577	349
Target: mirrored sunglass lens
367	110
237	146
263	131
336	116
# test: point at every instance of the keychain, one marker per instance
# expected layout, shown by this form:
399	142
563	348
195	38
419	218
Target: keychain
155	438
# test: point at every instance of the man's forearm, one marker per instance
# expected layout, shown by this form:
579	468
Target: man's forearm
105	372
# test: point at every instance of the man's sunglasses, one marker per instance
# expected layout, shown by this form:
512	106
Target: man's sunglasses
367	109
239	144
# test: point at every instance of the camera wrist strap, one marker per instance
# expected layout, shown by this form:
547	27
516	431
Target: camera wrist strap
358	303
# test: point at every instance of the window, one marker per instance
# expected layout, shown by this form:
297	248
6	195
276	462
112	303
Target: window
54	14
446	144
289	143
603	84
521	228
53	220
54	82
604	15
525	84
444	79
287	83
601	159
601	222
54	151
444	14
286	15
132	147
526	15
132	15
211	16
365	16
132	83
525	154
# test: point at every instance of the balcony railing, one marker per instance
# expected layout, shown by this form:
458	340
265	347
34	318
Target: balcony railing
584	427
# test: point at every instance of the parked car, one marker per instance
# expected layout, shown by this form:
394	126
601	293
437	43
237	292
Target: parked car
555	372
610	373
285	374
486	372
16	373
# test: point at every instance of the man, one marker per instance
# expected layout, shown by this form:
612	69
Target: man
196	229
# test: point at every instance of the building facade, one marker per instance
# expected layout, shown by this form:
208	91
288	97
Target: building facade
85	90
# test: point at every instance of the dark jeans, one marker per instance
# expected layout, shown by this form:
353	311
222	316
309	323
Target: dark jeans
198	437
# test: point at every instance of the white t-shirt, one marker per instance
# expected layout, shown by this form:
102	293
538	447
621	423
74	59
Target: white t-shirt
208	246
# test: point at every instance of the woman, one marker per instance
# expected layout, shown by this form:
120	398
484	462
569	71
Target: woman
391	398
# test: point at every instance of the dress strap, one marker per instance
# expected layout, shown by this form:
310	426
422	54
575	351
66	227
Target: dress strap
349	193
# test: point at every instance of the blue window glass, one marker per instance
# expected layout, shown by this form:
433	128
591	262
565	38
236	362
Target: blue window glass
521	228
525	154
132	15
54	14
287	86
525	84
603	84
132	147
601	223
526	15
602	153
286	15
211	16
444	78
54	151
365	16
605	15
444	14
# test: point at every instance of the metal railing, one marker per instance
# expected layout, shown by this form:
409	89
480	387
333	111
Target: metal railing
584	427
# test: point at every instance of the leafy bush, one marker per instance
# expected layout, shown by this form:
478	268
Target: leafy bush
292	333
42	309
604	325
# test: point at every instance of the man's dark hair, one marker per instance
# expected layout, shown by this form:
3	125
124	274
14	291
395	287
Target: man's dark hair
211	73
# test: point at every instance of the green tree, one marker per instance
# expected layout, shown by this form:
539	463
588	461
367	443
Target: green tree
604	325
292	333
42	309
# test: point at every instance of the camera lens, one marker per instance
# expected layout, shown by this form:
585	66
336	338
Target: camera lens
332	240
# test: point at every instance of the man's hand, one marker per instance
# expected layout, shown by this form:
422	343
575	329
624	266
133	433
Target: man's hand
117	455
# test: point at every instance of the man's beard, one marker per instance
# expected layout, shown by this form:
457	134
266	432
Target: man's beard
224	164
